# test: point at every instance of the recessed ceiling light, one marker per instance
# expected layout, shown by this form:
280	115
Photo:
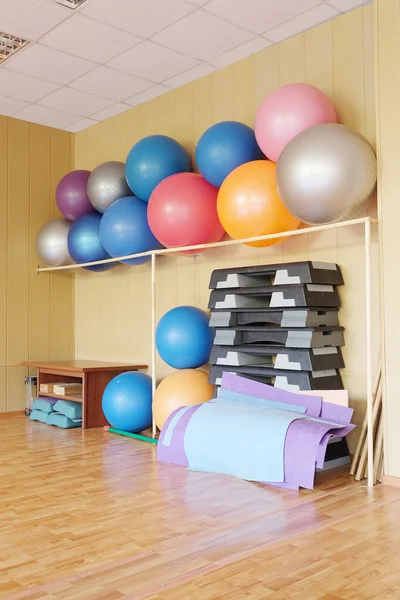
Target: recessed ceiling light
70	3
9	45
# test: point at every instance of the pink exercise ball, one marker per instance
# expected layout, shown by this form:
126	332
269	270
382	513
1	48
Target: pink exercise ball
183	211
288	111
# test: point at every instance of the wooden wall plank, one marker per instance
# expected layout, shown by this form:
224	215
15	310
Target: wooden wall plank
61	312
17	259
18	241
349	97
40	211
3	389
387	41
3	241
318	47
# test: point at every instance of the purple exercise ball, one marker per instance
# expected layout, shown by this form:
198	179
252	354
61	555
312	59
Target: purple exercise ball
71	195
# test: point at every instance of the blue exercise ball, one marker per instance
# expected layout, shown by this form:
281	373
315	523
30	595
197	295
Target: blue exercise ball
84	243
184	338
124	230
224	147
153	159
127	402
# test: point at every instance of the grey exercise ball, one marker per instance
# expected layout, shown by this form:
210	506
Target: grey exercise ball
327	174
52	243
107	184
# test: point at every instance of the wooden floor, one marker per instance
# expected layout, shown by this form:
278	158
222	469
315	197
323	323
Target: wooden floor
92	516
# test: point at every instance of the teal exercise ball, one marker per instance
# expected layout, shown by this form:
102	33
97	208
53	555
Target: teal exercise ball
127	402
153	159
224	147
184	338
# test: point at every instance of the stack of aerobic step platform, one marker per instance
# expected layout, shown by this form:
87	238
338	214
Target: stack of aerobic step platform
278	324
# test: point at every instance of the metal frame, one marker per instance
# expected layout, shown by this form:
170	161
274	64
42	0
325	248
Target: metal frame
365	221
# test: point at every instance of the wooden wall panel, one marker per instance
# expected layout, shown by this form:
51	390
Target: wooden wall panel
3	247
36	312
40	212
337	57
61	321
388	129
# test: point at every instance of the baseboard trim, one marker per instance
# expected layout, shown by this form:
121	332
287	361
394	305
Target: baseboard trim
12	413
389	480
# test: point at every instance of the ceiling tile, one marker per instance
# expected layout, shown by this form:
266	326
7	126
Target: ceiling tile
30	18
190	75
46	116
240	52
108	83
150	61
141	17
202	35
81	125
23	87
48	64
259	15
75	102
10	106
305	21
89	39
112	111
153	92
345	5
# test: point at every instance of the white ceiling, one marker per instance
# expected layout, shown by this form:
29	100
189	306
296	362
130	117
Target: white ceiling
87	65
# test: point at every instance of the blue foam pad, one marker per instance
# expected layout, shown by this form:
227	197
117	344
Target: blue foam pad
59	420
39	415
72	410
44	405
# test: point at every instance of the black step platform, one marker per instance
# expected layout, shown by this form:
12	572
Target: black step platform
310	337
286	380
277	357
278	274
282	296
289	317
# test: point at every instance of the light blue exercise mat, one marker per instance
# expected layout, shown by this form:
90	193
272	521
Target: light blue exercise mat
240	440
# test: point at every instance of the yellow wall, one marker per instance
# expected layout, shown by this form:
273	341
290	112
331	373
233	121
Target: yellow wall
36	313
113	309
388	96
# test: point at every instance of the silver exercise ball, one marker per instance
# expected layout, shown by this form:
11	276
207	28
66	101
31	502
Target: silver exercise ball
327	174
52	243
107	184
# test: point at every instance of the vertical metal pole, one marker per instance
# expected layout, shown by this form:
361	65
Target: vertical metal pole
153	333
368	329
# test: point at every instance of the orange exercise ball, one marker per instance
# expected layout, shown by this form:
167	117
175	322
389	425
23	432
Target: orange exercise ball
248	204
181	388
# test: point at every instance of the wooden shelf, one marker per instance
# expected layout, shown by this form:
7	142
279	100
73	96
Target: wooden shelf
77	398
96	376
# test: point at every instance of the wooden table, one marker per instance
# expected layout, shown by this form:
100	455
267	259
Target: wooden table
94	377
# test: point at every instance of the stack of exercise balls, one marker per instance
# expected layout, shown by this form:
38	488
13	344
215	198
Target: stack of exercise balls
184	340
297	165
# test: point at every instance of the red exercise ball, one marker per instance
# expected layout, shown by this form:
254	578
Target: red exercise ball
182	211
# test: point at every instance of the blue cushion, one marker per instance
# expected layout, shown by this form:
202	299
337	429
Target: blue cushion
39	415
72	410
46	406
59	420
